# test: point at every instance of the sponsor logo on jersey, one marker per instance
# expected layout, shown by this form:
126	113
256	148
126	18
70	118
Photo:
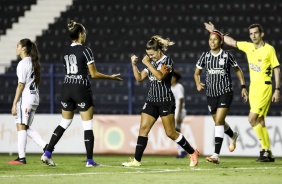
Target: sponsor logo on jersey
216	71
255	67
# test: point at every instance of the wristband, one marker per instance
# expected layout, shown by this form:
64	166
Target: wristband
243	86
277	89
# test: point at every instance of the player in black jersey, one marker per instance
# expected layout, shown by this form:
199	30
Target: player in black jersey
76	91
217	64
160	100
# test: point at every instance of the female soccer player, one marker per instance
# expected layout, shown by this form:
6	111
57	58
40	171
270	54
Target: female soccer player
217	64
160	100
76	91
26	98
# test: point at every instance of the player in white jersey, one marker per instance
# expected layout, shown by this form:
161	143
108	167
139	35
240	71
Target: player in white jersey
26	98
180	111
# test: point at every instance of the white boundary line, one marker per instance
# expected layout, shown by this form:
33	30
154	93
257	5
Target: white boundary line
138	170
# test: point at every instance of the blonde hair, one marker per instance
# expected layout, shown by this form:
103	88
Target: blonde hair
157	42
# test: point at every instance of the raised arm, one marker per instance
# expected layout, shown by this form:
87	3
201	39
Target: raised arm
227	39
139	76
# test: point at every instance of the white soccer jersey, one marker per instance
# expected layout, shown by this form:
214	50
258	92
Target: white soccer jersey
178	92
25	73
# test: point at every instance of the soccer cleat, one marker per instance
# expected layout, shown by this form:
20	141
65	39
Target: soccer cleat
270	156
182	154
212	159
232	145
260	155
91	163
47	161
265	157
17	161
194	158
131	163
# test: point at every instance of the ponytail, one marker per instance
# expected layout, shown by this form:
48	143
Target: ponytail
32	51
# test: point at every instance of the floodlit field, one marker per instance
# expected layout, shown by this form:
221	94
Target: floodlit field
154	169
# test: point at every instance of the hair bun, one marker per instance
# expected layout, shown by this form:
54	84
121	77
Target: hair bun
71	25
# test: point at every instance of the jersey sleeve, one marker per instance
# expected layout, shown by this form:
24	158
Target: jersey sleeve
243	46
273	58
21	73
232	60
88	55
201	62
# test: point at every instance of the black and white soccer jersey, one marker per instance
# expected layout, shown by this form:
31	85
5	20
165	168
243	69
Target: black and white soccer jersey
76	57
218	78
160	90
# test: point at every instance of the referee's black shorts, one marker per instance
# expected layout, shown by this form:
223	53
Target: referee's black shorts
222	101
158	109
76	96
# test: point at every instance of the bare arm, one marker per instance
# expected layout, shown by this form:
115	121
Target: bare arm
159	74
200	86
227	39
97	75
276	94
18	94
240	75
139	76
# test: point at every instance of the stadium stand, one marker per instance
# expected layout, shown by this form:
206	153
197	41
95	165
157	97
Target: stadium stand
117	29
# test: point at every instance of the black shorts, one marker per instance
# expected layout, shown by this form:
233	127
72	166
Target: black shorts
76	96
222	101
158	109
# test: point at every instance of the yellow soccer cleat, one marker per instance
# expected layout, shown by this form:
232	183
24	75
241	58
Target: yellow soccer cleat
131	163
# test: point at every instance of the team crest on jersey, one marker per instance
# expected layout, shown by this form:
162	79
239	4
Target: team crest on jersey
81	105
221	61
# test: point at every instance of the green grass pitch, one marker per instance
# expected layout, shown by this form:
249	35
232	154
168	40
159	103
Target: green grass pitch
154	169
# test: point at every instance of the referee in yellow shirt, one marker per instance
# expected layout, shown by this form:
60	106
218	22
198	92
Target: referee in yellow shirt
262	64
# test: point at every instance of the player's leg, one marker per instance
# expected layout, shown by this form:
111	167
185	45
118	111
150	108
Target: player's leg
87	124
169	126
219	119
33	134
232	134
66	120
23	114
149	116
146	124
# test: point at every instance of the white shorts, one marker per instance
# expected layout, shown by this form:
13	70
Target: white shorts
25	113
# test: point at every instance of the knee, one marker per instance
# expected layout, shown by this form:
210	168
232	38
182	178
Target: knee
171	134
144	130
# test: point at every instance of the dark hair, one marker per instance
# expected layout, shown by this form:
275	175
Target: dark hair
177	75
75	29
32	51
157	42
258	26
